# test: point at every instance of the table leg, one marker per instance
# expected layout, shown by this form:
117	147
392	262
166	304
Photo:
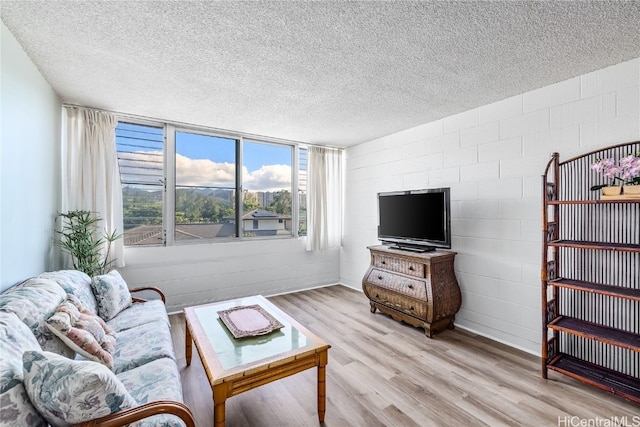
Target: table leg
322	386
218	414
220	393
188	345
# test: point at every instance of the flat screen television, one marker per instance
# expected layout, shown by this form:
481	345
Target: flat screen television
416	220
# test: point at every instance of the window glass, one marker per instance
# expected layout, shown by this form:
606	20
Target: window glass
267	177
193	180
205	187
140	159
302	192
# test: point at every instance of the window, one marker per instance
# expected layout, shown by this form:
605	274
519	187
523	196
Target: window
181	185
267	178
302	192
140	158
205	177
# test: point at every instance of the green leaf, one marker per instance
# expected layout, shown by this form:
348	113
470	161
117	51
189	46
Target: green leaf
80	238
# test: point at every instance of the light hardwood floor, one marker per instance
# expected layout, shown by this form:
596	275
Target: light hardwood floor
384	373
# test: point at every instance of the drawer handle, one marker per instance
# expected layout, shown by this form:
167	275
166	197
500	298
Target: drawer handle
411	307
377	296
411	268
383	262
379	277
410	286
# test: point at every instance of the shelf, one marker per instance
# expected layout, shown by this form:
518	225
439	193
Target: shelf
580	244
596	332
589	236
593	202
605	379
596	288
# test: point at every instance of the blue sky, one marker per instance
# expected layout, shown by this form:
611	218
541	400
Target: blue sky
210	161
255	155
197	146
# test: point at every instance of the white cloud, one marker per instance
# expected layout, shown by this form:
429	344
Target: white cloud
205	172
268	178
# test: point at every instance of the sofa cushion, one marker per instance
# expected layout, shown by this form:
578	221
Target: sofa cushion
111	293
68	391
15	339
34	301
156	380
142	344
85	332
17	410
138	314
76	283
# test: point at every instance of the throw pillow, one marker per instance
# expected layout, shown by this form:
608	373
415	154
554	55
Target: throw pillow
67	391
112	294
84	332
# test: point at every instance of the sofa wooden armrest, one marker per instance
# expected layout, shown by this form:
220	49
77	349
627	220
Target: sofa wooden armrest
148	288
128	416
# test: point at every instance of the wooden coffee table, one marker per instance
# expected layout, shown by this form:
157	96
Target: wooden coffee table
235	365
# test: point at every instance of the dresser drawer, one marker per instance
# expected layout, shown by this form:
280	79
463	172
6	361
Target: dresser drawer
405	285
420	289
399	265
402	303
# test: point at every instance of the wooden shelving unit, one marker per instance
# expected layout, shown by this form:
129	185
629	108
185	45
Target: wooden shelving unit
596	332
614	291
590	277
597	376
594	245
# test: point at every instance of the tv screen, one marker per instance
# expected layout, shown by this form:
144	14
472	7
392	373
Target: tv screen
415	220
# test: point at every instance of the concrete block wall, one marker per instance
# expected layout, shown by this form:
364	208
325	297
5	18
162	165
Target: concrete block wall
492	157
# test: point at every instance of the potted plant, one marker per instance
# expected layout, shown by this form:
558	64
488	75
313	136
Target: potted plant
80	238
627	172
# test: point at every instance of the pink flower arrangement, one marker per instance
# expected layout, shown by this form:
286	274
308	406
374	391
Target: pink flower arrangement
627	170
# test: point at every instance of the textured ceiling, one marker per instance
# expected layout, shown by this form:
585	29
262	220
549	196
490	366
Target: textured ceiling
335	73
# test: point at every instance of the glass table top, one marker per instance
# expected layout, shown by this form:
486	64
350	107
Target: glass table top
232	352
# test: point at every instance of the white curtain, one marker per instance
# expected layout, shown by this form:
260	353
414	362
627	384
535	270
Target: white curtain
90	171
324	198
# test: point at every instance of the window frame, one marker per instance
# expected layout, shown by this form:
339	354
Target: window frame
169	179
163	182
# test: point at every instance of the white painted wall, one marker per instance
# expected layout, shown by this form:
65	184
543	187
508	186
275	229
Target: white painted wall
196	274
29	159
492	157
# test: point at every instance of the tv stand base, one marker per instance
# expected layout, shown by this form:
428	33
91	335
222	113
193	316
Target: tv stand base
418	249
429	328
420	289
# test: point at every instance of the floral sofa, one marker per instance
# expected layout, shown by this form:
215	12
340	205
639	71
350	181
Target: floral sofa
76	350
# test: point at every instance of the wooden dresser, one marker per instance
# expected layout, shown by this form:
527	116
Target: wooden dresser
420	289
